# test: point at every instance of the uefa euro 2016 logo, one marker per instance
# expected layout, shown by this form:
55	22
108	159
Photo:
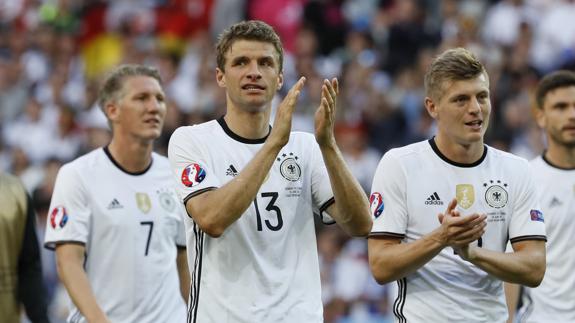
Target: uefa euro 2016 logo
58	218
376	204
193	175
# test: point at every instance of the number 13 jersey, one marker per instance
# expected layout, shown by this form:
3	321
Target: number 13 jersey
264	267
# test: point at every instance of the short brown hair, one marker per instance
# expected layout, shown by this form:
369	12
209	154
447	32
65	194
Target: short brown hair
552	81
455	64
247	30
114	82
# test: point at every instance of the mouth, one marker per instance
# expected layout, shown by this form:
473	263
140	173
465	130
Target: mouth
253	87
475	124
153	122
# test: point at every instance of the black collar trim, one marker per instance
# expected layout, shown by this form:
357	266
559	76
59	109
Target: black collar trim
449	161
553	165
239	138
107	151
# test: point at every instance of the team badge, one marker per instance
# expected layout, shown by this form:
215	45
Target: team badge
143	202
289	168
465	195
58	218
193	175
496	195
536	215
376	204
167	201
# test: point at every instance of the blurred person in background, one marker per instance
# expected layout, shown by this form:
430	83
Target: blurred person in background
21	280
121	198
554	299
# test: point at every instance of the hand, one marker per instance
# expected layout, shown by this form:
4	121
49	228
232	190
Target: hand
281	130
325	114
459	231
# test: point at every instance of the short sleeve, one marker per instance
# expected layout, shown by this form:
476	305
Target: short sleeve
69	214
527	220
190	165
388	199
322	193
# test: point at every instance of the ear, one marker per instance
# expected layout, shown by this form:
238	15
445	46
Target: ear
431	107
220	78
540	117
112	111
280	81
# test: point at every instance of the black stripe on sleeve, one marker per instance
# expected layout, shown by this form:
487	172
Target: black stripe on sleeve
52	244
386	234
198	192
181	246
525	238
324	207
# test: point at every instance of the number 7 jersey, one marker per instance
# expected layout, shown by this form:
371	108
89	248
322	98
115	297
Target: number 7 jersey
264	267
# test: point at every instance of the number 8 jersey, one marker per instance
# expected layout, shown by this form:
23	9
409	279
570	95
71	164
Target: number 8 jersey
264	267
131	225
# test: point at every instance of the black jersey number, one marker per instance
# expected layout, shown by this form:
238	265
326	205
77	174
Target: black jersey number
151	224
270	207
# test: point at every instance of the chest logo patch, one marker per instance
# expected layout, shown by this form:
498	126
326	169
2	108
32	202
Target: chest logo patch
496	195
143	202
193	174
167	201
58	218
465	195
289	168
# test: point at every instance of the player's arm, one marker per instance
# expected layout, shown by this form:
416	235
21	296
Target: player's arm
183	273
351	209
512	292
525	265
70	265
390	260
217	209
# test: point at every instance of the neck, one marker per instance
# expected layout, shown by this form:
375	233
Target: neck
133	156
459	153
561	155
250	125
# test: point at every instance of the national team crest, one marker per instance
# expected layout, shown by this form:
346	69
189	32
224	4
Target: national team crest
376	204
465	195
496	195
58	218
289	168
193	175
143	202
167	201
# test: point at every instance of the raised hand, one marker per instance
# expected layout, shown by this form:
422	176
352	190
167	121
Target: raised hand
325	114
459	231
282	124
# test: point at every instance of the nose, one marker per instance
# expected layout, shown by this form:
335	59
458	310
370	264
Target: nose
474	106
254	72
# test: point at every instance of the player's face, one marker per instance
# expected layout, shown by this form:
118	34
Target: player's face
140	110
557	116
462	112
252	76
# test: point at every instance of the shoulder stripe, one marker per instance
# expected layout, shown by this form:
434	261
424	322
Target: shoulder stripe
532	237
51	245
378	234
196	275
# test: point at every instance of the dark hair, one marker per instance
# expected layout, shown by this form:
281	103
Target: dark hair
552	81
114	82
452	65
247	30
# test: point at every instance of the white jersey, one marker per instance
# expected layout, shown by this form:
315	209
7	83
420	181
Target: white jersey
415	183
131	225
554	300
264	267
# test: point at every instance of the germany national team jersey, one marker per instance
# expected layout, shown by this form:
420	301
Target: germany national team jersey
130	225
554	300
264	267
412	185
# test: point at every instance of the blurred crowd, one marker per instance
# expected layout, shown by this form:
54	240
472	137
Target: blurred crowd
54	53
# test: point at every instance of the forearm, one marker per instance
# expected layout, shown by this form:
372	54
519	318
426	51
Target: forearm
218	209
183	273
512	292
76	282
390	262
524	268
351	202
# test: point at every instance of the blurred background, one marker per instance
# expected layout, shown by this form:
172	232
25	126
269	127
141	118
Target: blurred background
54	53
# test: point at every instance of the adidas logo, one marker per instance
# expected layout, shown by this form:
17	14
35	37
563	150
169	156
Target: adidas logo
115	205
434	199
555	202
231	171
